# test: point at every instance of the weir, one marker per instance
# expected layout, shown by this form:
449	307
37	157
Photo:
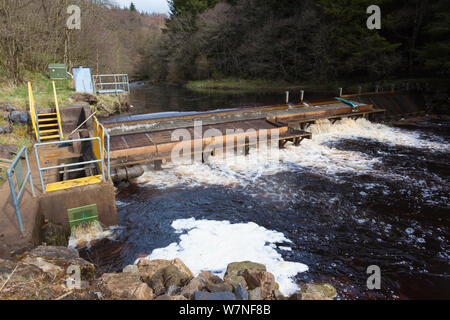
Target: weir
153	138
78	169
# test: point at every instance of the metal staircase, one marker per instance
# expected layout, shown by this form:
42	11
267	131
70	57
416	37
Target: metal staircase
47	126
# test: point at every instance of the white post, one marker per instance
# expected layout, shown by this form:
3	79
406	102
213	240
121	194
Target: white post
287	97
302	94
340	92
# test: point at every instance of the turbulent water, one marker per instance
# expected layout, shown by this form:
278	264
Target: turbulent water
357	194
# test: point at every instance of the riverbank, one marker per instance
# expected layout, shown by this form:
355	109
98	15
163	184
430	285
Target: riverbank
349	86
41	274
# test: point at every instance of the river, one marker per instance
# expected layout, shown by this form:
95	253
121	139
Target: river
357	194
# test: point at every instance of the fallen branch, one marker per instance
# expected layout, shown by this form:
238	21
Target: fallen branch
4	284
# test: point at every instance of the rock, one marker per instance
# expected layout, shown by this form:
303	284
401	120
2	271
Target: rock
54	235
200	295
64	257
173	290
5	129
196	284
127	286
241	293
324	290
182	267
168	297
296	296
219	287
6	106
263	279
278	295
169	276
84	97
237	268
45	266
211	277
311	296
22	117
234	281
23	272
147	268
255	294
131	269
8	151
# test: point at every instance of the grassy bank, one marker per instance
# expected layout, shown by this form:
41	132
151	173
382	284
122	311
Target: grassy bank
241	84
231	85
17	95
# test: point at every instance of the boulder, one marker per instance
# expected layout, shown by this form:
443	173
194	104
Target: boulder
237	268
128	286
320	290
173	290
219	287
64	257
5	129
200	295
50	268
84	97
132	268
263	279
168	297
241	293
147	268
169	276
54	235
255	294
234	281
8	151
23	272
22	117
196	284
6	106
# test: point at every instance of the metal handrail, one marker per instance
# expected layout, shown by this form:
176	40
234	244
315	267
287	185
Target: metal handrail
33	112
41	169
121	82
58	115
16	197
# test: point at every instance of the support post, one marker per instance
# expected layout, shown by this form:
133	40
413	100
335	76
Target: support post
287	97
340	92
302	94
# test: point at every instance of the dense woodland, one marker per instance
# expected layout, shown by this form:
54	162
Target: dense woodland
322	40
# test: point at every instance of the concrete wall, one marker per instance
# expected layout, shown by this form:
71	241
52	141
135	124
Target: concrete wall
73	116
53	206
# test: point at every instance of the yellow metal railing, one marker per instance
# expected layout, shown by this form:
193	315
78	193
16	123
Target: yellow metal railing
34	120
57	111
100	131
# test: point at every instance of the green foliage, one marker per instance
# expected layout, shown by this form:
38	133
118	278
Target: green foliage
132	7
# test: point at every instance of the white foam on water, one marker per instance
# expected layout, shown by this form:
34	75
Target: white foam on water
84	235
312	155
211	245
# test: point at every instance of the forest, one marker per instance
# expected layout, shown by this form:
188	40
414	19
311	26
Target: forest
309	40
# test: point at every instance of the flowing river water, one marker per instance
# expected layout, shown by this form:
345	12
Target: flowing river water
357	194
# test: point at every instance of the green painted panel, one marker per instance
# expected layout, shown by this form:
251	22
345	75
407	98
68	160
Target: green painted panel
82	214
18	173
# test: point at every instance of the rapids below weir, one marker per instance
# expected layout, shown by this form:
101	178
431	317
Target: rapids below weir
357	194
